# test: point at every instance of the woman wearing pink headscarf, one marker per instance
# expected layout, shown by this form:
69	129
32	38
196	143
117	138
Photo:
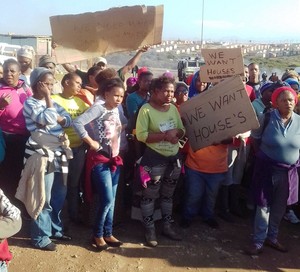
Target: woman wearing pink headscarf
275	179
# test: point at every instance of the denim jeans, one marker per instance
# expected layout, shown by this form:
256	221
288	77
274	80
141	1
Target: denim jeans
58	196
105	183
201	190
267	219
3	266
76	166
48	222
41	228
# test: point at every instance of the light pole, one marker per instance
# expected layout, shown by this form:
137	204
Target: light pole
202	24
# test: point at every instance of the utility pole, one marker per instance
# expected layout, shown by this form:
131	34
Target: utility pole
202	24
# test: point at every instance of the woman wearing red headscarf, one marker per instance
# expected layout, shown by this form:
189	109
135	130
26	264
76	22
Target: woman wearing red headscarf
275	179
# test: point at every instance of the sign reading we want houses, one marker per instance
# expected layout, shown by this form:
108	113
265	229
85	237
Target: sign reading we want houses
219	113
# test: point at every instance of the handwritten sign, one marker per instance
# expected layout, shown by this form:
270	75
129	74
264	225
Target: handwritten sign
219	113
90	35
221	63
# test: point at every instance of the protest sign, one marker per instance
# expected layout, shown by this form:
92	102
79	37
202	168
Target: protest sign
221	63
89	35
219	113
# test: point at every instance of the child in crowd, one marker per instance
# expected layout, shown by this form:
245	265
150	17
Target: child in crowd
47	150
71	84
103	160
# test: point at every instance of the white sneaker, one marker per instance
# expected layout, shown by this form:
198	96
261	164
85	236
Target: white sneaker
291	217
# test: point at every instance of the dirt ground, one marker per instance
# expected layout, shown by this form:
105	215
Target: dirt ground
202	249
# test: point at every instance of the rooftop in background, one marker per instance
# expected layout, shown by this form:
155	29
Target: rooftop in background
40	43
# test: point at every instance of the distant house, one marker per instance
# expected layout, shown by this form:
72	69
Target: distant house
41	44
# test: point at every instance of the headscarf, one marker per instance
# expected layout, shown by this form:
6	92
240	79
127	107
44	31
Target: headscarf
181	84
278	91
46	59
26	51
192	89
131	81
168	74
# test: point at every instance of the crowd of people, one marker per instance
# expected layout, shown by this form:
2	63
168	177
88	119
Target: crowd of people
64	141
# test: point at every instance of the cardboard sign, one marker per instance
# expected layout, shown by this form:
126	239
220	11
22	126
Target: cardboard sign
89	35
221	64
219	113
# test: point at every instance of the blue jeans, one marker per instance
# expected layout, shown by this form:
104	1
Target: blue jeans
267	219
105	183
48	222
201	190
76	166
58	197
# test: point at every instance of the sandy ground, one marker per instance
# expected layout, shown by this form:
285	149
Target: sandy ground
202	249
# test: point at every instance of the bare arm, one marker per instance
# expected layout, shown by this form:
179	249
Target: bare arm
69	67
133	61
94	145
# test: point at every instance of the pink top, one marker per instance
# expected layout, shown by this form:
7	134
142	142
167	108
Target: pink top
11	117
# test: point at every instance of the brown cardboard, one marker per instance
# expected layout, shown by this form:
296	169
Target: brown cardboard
219	113
89	35
221	63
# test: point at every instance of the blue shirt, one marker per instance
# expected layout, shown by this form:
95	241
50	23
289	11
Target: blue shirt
280	143
133	102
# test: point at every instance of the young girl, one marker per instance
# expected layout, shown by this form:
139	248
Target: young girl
103	159
71	84
48	153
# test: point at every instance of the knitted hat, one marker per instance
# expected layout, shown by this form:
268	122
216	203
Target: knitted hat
26	51
292	81
37	74
46	59
278	91
267	86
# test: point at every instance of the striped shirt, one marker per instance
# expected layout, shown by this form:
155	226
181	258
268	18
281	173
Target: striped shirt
40	118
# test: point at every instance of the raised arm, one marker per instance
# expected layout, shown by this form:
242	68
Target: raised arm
133	61
70	68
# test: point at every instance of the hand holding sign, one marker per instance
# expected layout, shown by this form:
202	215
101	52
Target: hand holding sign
221	112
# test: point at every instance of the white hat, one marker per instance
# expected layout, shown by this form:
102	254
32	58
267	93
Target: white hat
26	51
100	59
